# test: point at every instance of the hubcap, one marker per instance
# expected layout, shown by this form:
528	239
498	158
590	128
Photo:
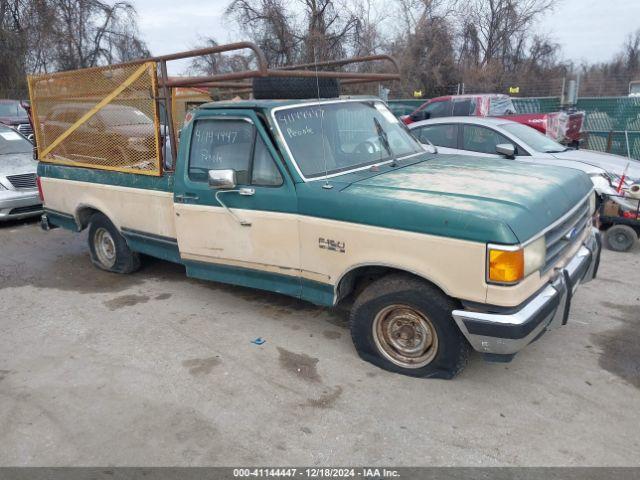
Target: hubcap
405	336
105	247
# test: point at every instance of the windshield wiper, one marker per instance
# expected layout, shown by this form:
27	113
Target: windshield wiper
384	139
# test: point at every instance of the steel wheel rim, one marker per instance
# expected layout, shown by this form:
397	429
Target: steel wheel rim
405	336
105	247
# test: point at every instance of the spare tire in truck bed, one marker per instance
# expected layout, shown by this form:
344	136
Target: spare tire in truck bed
265	88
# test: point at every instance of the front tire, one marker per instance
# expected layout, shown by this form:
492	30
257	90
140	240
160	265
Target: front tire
403	324
108	248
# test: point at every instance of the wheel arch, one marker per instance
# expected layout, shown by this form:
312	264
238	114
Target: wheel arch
85	211
357	277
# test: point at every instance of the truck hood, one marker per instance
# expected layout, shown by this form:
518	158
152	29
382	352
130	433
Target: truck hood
611	163
491	200
17	163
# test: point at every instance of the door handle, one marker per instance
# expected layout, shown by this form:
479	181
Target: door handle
183	197
247	192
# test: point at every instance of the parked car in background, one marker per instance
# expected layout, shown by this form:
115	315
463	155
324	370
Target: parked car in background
14	115
563	127
18	190
496	137
117	134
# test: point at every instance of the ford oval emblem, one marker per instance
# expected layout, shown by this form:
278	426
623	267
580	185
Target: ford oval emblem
571	233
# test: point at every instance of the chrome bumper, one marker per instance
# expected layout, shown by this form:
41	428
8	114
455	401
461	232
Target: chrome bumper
506	332
16	204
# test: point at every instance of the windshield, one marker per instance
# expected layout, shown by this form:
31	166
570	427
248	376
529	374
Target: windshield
12	109
13	142
337	137
533	138
501	106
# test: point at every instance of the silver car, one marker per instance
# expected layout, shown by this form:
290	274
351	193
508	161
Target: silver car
497	137
19	196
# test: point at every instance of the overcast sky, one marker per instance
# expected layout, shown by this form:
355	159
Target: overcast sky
589	30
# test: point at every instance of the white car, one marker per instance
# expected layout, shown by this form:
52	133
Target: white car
497	137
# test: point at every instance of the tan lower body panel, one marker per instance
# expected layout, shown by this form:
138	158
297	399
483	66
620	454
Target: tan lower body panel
141	209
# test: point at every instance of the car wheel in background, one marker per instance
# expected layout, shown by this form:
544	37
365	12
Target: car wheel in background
621	238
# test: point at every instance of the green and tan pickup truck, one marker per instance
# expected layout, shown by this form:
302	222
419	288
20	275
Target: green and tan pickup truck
334	201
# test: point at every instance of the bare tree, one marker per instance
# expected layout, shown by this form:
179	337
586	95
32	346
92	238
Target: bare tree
217	62
91	32
48	35
271	27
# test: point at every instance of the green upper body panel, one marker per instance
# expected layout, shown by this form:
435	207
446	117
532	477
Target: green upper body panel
162	183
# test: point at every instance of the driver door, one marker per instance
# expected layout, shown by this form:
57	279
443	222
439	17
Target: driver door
245	234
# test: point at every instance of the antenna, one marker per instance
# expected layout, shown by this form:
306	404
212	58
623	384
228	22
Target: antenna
326	185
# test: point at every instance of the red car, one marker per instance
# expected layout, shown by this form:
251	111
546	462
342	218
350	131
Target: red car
561	126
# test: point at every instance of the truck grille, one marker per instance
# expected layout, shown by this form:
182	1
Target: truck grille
566	234
24	181
25	129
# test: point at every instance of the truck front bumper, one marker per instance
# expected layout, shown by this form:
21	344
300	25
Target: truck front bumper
503	332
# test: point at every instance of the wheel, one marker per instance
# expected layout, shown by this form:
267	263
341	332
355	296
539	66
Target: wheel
621	237
265	88
109	250
403	324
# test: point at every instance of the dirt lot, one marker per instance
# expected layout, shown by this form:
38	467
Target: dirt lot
156	369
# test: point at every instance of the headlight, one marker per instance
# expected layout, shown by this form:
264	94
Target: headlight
2	187
509	265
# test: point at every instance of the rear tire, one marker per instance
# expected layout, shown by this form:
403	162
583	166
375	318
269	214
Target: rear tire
266	88
621	238
108	248
403	324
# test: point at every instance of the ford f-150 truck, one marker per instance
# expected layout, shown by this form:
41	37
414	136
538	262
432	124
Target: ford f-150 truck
332	200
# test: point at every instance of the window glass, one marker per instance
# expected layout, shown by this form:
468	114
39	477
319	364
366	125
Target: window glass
501	106
533	138
221	144
439	109
264	170
439	135
340	136
11	109
462	108
481	139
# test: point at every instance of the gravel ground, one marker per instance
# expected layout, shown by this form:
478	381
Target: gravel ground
155	369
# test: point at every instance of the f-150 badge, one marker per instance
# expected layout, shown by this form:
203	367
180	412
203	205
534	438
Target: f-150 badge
332	245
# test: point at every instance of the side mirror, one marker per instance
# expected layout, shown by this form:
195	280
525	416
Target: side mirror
429	148
222	179
506	149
